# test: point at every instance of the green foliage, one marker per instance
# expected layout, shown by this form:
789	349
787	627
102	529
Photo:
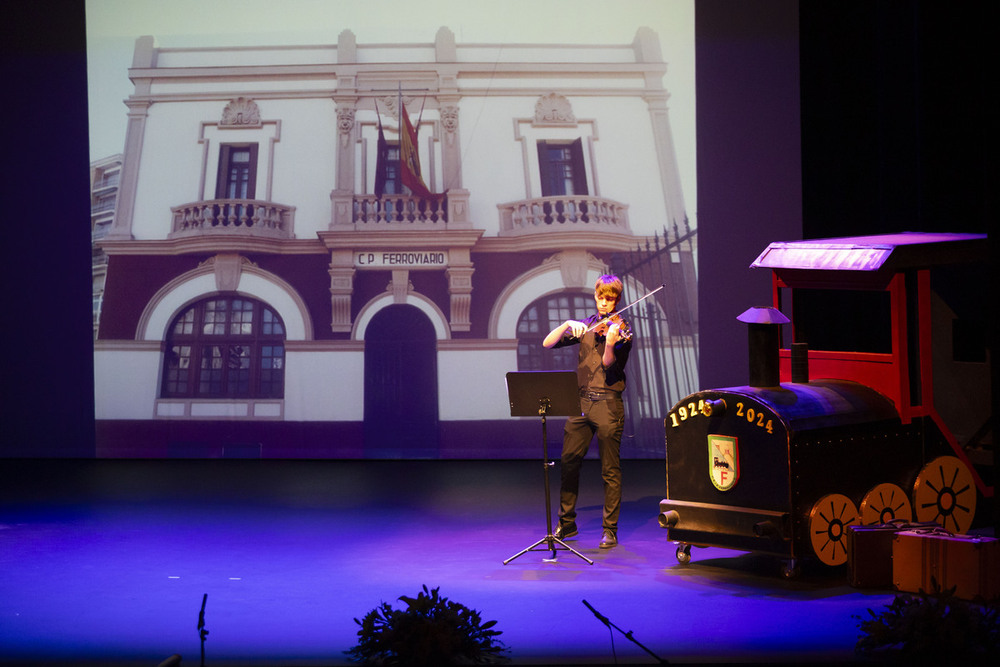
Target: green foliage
431	630
931	628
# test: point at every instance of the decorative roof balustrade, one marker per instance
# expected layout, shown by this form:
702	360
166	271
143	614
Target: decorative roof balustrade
566	213
239	217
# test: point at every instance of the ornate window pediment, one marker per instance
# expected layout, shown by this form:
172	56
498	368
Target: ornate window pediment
241	112
554	109
388	105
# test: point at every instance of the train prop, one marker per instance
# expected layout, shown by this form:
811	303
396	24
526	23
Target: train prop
820	440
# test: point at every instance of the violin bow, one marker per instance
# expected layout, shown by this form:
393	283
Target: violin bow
622	310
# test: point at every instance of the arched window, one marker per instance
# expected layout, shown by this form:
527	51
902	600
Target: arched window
225	347
541	317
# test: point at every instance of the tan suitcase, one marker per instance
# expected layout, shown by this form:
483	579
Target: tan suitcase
937	560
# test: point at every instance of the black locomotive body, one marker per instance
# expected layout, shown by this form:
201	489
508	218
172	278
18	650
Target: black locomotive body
784	470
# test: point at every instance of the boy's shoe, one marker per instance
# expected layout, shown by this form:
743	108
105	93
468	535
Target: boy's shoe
566	531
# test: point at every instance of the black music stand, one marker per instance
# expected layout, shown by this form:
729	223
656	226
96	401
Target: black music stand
545	393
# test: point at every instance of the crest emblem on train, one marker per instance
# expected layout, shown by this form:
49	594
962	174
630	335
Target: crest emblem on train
723	461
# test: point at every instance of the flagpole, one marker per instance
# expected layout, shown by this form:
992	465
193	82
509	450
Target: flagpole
399	114
381	157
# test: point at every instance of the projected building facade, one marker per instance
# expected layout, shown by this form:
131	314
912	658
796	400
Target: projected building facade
275	286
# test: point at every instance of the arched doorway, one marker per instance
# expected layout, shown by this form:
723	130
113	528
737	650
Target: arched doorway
401	392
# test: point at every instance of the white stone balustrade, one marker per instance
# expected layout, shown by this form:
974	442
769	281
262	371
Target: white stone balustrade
366	211
563	213
247	217
404	209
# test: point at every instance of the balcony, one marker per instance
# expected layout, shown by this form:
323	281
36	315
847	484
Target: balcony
402	209
400	212
233	217
107	181
567	213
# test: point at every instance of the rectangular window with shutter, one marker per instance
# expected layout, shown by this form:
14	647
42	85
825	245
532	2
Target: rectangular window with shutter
561	167
237	172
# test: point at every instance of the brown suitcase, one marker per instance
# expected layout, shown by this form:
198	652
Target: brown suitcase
869	551
937	560
869	555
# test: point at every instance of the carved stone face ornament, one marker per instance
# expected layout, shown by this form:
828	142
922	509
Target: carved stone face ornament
345	120
449	118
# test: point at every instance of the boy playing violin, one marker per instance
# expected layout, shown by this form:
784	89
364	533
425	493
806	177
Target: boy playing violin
605	342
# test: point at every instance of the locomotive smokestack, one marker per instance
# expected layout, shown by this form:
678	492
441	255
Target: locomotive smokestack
800	362
764	334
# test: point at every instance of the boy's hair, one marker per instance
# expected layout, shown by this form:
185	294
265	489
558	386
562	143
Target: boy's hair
609	285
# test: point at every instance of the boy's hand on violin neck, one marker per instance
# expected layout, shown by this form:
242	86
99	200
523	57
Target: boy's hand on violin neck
614	334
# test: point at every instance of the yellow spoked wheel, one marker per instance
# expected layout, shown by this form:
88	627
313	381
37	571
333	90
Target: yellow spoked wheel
828	521
946	494
884	503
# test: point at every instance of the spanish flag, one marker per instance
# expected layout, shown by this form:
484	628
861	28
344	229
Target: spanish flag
409	160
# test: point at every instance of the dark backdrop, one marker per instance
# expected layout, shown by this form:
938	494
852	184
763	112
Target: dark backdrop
825	119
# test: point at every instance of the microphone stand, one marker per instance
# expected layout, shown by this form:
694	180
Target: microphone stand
202	632
628	635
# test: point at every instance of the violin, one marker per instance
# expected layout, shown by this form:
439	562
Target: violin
601	328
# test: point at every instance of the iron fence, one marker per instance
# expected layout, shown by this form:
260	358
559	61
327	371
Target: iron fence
663	367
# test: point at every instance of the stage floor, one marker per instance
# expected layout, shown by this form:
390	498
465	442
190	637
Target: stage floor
108	562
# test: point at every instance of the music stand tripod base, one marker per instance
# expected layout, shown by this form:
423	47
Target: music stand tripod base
544	393
551	541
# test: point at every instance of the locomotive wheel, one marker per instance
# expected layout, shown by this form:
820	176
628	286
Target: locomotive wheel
828	520
883	503
945	493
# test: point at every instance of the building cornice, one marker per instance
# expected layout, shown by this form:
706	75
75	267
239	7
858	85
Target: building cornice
471	91
381	239
554	241
412	69
213	245
411	239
